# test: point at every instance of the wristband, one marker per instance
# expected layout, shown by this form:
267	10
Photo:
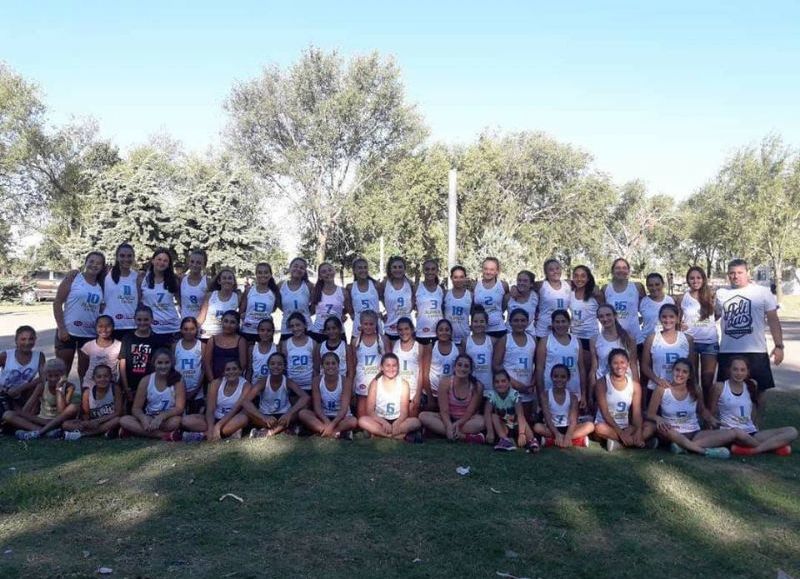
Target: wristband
779	346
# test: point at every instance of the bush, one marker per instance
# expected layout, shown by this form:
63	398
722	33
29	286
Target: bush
12	289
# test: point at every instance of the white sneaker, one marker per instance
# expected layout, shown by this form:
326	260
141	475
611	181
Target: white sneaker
57	433
72	435
27	434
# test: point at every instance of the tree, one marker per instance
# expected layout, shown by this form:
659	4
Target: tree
321	130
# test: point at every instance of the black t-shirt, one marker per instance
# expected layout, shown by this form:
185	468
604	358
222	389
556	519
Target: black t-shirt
138	355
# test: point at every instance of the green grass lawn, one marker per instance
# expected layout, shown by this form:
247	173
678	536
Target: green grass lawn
370	508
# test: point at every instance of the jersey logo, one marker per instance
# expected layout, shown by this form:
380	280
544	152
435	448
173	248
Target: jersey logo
738	314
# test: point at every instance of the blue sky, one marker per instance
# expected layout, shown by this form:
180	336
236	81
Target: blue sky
659	91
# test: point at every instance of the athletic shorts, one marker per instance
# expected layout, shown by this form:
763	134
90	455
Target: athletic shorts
585	342
251	338
497	333
392	337
71	344
195	406
425	341
120	334
317	337
711	349
760	370
165	340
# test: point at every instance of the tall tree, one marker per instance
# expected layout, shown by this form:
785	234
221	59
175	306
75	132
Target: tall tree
320	130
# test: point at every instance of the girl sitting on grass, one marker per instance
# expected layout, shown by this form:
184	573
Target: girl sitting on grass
102	405
330	415
559	426
619	411
735	402
387	404
21	367
505	417
159	402
225	416
48	407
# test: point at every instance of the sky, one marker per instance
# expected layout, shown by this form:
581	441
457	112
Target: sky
663	92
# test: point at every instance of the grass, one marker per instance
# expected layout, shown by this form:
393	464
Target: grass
374	508
790	307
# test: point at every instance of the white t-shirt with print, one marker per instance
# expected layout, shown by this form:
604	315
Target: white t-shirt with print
743	314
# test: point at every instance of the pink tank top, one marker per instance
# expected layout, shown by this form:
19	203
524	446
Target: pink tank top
458	407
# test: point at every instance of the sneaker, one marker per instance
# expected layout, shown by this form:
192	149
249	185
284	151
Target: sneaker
612	445
652	443
718	452
533	446
348	436
582	442
548	441
124	433
236	435
111	434
57	433
193	436
784	450
258	433
72	435
174	436
742	450
676	448
27	434
479	438
505	444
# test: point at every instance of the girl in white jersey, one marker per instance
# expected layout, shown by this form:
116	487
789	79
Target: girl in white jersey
387	404
624	296
330	415
76	307
223	297
361	295
334	342
650	306
263	349
457	304
225	414
366	354
699	320
158	288
410	355
22	367
673	415
299	352
397	294
480	347
327	301
559	424
440	359
490	292
584	300
735	403
120	293
561	347
194	284
618	397
188	352
102	405
259	301
295	294
159	402
516	354
275	412
429	301
522	296
612	335
554	294
662	348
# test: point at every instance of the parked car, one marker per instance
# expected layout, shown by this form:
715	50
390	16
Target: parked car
44	285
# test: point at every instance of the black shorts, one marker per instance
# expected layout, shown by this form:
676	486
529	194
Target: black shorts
251	338
497	333
165	340
195	406
585	343
425	341
392	337
760	370
317	337
71	344
639	351
120	334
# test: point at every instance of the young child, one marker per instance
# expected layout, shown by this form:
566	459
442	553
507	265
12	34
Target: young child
505	417
559	426
21	369
619	410
366	353
225	415
48	407
189	364
159	402
334	342
299	353
102	405
262	350
480	347
275	412
515	353
330	399
387	404
440	358
135	355
409	354
104	349
225	346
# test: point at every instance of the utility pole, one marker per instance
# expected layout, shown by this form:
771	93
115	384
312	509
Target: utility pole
451	220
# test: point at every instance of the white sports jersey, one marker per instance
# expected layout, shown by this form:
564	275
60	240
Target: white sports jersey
664	355
429	310
703	331
441	365
559	412
192	296
275	401
626	304
648	310
331	399
259	306
566	354
295	301
299	360
158	401
519	363
491	299
584	317
340	351
550	300
259	362
743	323
101	407
398	304
121	300
189	363
162	302
329	306
217	306
409	361
681	415
15	373
619	403
529	305
481	355
226	403
82	307
603	348
387	404
368	360
736	411
456	310
362	301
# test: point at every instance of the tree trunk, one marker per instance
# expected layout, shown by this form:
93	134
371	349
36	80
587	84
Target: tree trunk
708	265
322	241
777	270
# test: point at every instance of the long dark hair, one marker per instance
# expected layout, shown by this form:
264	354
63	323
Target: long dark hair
591	284
319	285
174	376
691	384
115	270
750	384
705	295
170	279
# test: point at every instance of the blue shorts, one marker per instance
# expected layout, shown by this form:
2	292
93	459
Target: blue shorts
711	349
